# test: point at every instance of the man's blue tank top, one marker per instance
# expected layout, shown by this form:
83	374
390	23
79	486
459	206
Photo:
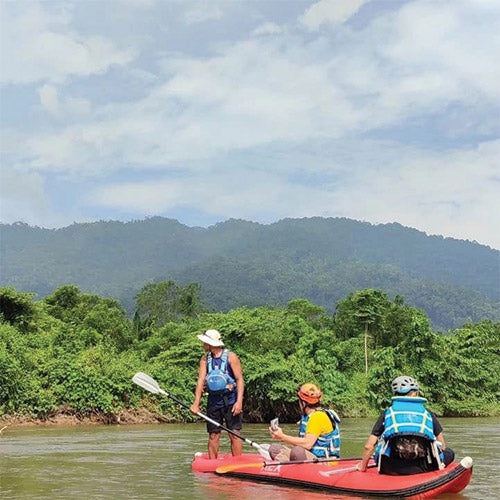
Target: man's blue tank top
218	400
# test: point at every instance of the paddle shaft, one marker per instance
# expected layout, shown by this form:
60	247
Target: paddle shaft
347	469
208	419
308	461
229	468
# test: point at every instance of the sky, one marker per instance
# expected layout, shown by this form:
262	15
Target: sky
201	111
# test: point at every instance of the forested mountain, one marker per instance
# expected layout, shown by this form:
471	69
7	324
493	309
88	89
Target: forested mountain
244	263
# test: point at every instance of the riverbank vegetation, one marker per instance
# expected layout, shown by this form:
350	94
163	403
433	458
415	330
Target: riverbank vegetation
74	353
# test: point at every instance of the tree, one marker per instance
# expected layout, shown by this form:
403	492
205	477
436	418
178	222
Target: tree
89	318
315	315
17	308
362	311
167	301
63	302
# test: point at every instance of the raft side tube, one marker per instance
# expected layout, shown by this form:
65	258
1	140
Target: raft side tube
454	480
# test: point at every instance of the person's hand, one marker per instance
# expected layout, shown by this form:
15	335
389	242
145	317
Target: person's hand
361	467
237	408
194	408
276	433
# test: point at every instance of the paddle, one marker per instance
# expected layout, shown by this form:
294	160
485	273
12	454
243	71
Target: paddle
150	384
346	469
334	461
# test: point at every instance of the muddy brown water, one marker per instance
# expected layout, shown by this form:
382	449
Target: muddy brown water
153	461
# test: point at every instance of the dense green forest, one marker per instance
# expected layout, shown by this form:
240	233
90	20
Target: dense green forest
75	353
239	263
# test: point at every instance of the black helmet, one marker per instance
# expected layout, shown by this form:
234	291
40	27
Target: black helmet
404	384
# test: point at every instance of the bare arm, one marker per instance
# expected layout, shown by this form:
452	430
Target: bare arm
198	392
234	361
306	442
367	452
440	438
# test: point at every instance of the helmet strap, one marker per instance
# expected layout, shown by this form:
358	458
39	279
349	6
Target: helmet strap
303	406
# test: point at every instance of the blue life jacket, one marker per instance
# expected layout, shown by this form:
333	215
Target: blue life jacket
407	416
327	445
218	379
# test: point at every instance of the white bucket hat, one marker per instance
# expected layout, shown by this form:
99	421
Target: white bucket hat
211	337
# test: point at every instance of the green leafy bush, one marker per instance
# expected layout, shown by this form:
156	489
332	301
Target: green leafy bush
75	352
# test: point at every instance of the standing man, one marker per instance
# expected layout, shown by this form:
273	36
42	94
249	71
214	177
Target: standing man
220	372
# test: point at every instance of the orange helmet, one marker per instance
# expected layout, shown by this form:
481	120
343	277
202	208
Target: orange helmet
310	393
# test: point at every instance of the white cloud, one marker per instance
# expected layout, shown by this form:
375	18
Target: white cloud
38	44
50	101
253	195
77	106
272	89
430	191
207	109
205	10
23	197
49	98
455	193
308	100
268	28
456	40
330	11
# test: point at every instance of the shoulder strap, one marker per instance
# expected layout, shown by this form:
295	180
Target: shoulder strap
332	415
224	360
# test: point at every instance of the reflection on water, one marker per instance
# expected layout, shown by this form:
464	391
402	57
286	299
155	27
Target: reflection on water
154	462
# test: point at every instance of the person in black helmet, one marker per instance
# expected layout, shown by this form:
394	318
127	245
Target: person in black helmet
410	438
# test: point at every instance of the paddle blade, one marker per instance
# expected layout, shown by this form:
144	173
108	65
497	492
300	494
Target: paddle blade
146	382
229	468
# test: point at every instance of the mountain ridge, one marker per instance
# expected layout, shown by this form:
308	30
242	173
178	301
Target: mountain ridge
322	254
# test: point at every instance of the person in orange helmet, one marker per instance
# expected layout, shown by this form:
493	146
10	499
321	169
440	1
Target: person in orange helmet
319	434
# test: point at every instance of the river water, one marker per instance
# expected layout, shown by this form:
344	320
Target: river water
153	461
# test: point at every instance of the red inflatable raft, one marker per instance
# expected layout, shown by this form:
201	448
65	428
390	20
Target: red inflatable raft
331	476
